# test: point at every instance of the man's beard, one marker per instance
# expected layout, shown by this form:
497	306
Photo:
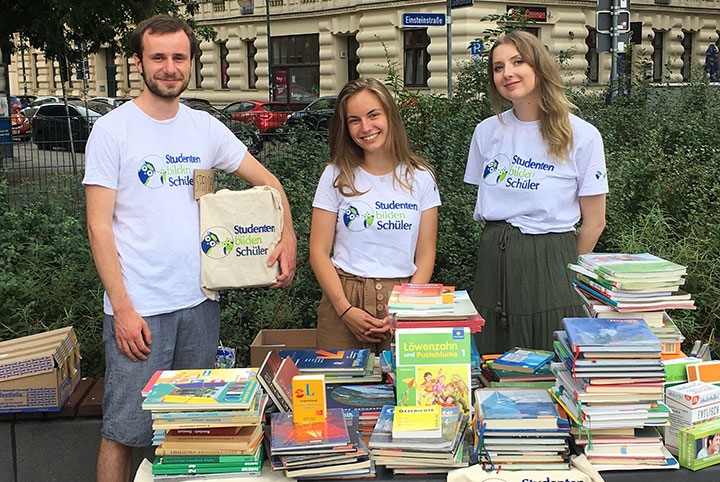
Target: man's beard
154	87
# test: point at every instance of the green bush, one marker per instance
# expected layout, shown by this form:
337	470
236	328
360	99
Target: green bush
662	151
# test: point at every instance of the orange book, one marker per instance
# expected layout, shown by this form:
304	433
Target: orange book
308	398
705	372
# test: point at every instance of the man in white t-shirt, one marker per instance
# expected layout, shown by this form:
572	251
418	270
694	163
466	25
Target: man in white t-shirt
143	225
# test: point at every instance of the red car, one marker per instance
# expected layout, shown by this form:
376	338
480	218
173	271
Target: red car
21	129
268	116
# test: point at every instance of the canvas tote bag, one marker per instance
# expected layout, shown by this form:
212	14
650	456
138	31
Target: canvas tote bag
238	231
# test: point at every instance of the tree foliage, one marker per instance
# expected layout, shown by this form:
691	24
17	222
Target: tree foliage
59	27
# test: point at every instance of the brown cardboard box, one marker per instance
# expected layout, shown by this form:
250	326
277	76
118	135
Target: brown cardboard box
39	372
266	340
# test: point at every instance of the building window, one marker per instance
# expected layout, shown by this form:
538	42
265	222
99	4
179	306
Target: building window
296	68
218	5
416	57
197	70
224	76
591	56
657	55
686	57
251	64
352	57
36	71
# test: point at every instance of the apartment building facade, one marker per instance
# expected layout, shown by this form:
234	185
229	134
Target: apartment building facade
316	46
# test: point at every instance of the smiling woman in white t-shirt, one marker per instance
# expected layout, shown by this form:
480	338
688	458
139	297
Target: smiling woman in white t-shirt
376	207
539	170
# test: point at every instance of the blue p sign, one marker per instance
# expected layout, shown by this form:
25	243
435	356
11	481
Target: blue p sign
476	47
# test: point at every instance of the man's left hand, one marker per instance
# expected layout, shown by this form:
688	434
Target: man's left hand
285	253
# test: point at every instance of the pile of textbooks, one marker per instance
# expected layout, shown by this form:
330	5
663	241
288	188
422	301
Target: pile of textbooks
351	365
614	285
414	305
328	449
207	423
421	443
517	368
365	400
520	429
610	382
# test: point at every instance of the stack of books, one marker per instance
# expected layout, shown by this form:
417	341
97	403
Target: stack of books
328	449
411	449
207	423
517	368
634	286
520	429
433	304
610	382
352	365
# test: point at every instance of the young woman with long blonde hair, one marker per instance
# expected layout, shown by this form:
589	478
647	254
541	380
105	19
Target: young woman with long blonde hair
376	208
539	170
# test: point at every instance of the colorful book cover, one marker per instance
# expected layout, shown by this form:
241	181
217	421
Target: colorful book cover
417	421
452	419
308	398
523	360
329	361
288	437
198	377
585	334
433	366
363	398
266	374
284	377
628	265
516	408
211	395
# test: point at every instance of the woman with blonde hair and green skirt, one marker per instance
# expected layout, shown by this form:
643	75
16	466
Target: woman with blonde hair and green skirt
539	170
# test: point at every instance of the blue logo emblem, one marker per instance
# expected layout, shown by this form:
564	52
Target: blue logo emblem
600	175
496	170
217	242
358	216
149	174
458	334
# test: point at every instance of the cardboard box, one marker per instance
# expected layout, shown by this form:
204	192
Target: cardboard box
266	340
699	445
39	372
692	403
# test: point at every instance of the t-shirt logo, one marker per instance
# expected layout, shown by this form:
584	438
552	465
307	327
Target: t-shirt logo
358	216
217	242
150	176
496	170
600	175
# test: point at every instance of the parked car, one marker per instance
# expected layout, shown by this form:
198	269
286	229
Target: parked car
249	135
22	100
316	115
267	116
50	126
20	125
113	101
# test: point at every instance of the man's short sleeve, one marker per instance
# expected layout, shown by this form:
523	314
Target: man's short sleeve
102	159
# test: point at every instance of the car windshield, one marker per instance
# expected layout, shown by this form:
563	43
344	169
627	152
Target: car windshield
89	112
322	104
276	107
99	106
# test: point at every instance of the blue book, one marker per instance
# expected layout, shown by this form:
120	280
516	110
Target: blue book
517	408
610	335
522	360
331	362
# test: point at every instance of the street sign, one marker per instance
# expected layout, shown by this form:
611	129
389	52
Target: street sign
423	19
461	3
476	47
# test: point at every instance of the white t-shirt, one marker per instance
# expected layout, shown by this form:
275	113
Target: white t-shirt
520	183
376	233
150	164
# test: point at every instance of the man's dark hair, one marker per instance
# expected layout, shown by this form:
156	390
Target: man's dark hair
162	24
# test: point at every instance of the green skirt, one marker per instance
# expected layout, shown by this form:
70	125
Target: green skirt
523	287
